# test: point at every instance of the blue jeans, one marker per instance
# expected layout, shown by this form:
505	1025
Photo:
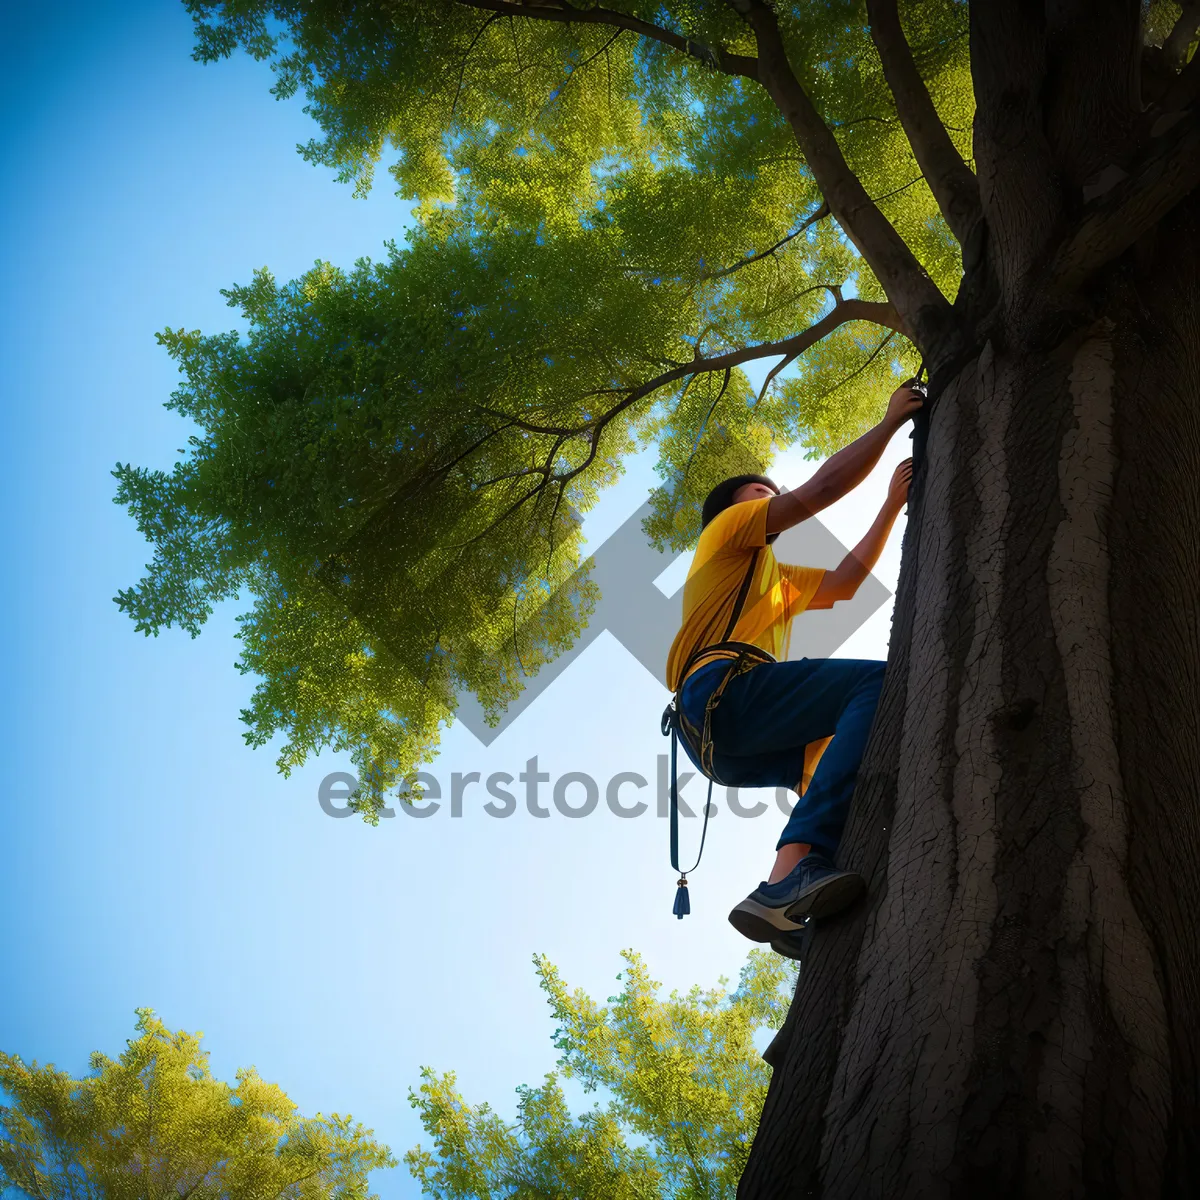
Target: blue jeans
766	717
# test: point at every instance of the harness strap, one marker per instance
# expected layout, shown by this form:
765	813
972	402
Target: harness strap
682	904
743	592
676	724
738	604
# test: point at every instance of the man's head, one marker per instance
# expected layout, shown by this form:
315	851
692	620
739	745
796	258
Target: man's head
734	491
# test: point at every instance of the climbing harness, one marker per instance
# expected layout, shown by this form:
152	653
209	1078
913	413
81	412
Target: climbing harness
742	657
676	725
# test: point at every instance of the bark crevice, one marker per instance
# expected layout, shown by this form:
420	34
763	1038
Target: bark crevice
1012	1012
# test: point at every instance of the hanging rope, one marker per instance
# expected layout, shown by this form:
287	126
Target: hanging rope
676	725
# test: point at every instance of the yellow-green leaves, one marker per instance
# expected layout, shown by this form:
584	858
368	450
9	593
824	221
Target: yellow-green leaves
682	1085
393	463
153	1124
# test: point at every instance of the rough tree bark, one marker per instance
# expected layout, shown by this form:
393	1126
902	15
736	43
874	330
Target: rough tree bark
1015	1009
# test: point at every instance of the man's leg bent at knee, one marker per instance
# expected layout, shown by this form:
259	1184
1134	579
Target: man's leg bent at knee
819	814
786	710
804	881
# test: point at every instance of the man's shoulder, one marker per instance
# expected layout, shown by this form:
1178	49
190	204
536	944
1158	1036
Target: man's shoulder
723	532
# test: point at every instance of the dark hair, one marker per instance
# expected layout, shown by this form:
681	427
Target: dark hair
721	497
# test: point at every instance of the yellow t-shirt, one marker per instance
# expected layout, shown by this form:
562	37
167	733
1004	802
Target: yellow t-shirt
778	592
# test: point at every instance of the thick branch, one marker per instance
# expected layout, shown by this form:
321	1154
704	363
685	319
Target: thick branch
1018	173
877	312
925	312
1134	203
558	10
1175	48
952	182
844	311
1184	90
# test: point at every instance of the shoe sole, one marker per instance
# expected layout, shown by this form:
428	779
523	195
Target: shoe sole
827	897
760	923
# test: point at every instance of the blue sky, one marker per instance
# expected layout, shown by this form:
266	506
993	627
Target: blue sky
148	856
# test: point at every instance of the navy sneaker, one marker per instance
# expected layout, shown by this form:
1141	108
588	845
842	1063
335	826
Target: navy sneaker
815	888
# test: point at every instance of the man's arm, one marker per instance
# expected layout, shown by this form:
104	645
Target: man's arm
843	471
842	583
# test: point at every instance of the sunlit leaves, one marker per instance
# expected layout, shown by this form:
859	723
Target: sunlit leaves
394	463
154	1123
683	1084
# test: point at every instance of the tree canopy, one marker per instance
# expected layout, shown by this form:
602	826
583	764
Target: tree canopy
619	208
154	1124
685	1086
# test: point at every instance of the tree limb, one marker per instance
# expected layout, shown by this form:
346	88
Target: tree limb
876	312
712	408
952	182
854	309
1185	88
1018	172
924	311
462	70
1175	48
807	223
716	57
785	361
1134	203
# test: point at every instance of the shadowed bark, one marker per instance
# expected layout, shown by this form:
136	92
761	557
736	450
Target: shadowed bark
1013	1012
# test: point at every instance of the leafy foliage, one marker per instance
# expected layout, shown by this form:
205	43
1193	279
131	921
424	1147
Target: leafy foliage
686	1086
154	1123
395	461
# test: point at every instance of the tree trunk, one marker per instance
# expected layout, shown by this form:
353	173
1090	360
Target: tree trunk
1014	1011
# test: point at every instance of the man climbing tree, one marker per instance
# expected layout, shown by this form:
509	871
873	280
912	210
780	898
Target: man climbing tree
772	727
621	206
